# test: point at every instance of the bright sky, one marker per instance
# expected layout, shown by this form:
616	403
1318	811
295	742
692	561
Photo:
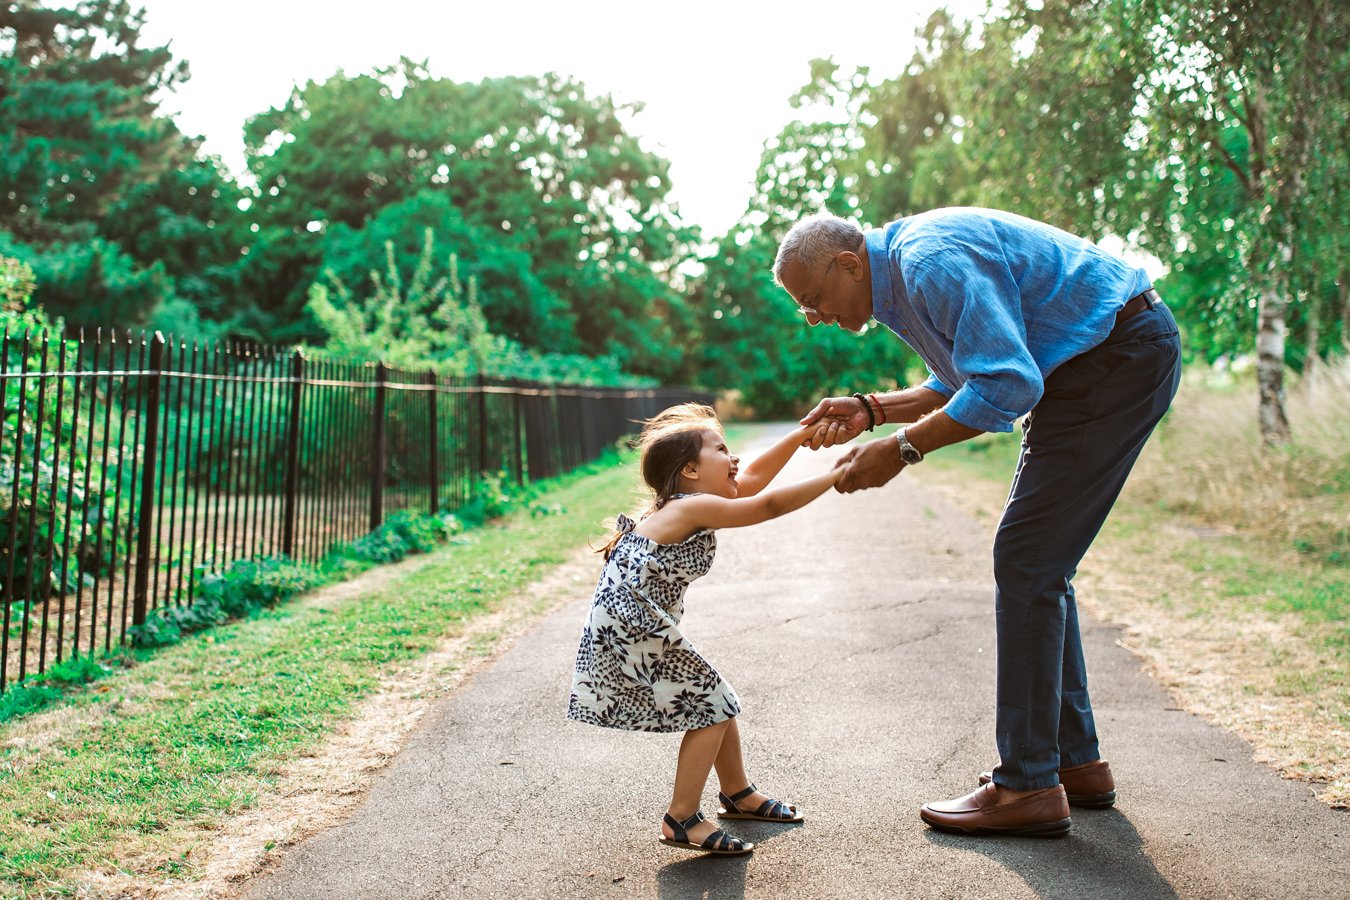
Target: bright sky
715	76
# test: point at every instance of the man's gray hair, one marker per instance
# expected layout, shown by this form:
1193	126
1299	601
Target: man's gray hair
816	240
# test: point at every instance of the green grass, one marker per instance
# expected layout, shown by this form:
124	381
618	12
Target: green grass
197	730
990	456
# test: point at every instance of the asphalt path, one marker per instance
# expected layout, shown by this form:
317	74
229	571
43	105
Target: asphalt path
859	634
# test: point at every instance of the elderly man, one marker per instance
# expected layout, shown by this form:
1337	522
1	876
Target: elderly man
1013	318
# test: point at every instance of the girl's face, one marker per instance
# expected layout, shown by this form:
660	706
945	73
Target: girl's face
716	467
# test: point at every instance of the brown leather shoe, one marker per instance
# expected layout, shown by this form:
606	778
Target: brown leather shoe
1089	785
1038	814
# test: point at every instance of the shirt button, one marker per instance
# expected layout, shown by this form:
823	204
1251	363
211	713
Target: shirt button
903	331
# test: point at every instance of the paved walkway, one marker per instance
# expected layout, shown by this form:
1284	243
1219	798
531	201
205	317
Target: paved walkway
859	634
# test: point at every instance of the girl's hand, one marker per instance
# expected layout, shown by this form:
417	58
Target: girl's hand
837	420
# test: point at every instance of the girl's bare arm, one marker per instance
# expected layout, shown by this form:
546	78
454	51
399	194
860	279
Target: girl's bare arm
762	469
681	518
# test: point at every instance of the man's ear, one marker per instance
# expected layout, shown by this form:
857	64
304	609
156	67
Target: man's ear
850	263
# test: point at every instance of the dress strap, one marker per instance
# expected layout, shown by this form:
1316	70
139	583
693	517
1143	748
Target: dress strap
624	524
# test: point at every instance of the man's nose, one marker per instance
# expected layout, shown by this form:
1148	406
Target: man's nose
813	318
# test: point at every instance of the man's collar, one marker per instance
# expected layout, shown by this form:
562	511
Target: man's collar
877	242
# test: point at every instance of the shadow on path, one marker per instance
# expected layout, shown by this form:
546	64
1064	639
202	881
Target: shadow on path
1103	856
723	877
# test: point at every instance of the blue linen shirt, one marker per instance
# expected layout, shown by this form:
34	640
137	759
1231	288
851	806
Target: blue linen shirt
993	302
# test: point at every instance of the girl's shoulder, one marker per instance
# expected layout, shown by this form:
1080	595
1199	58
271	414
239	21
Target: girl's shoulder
670	524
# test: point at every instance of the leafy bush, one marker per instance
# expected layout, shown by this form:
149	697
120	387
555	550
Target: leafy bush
380	546
244	589
432	322
402	533
422	532
435	321
74	534
493	495
250	585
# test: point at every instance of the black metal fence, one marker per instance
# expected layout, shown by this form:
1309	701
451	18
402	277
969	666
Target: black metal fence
131	466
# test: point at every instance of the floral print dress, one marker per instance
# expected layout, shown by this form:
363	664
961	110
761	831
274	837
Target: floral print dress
634	669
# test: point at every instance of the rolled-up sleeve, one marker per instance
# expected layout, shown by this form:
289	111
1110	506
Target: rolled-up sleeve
935	384
974	302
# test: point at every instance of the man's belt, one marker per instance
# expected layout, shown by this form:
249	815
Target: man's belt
1138	303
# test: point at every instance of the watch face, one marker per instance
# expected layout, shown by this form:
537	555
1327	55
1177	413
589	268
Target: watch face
909	454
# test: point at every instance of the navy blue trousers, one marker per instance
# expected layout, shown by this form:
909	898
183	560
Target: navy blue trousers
1078	446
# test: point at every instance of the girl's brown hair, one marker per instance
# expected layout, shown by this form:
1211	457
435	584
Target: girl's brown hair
669	440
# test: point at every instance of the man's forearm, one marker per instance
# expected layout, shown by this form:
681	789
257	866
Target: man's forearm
911	404
939	430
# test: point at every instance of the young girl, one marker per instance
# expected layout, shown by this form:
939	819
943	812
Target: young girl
634	669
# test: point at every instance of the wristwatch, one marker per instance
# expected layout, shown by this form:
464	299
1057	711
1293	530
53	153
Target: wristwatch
909	454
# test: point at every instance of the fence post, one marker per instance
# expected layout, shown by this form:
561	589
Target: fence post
148	463
377	460
293	454
482	425
435	467
519	458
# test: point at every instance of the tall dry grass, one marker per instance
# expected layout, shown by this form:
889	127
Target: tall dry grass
1208	462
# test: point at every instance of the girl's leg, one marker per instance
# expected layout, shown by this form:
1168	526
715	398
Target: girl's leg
730	764
699	748
731	770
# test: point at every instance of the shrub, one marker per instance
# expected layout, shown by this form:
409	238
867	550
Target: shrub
52	561
244	589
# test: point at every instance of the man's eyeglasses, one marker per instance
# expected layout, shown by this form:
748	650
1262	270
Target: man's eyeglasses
807	310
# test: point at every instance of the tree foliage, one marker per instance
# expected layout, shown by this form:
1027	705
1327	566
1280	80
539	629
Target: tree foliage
536	187
750	336
110	204
429	322
433	321
1212	135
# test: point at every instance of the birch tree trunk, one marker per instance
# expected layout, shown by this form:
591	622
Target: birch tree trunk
1270	334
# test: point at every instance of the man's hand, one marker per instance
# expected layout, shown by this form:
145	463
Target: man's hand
871	465
840	420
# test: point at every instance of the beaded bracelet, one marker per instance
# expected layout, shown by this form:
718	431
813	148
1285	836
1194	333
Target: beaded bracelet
871	419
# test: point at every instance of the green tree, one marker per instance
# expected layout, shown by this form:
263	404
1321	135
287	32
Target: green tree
750	336
430	319
520	306
532	166
429	322
78	124
1273	76
897	149
1211	134
188	221
104	197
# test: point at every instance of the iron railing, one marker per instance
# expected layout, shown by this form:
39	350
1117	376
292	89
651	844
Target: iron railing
139	463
